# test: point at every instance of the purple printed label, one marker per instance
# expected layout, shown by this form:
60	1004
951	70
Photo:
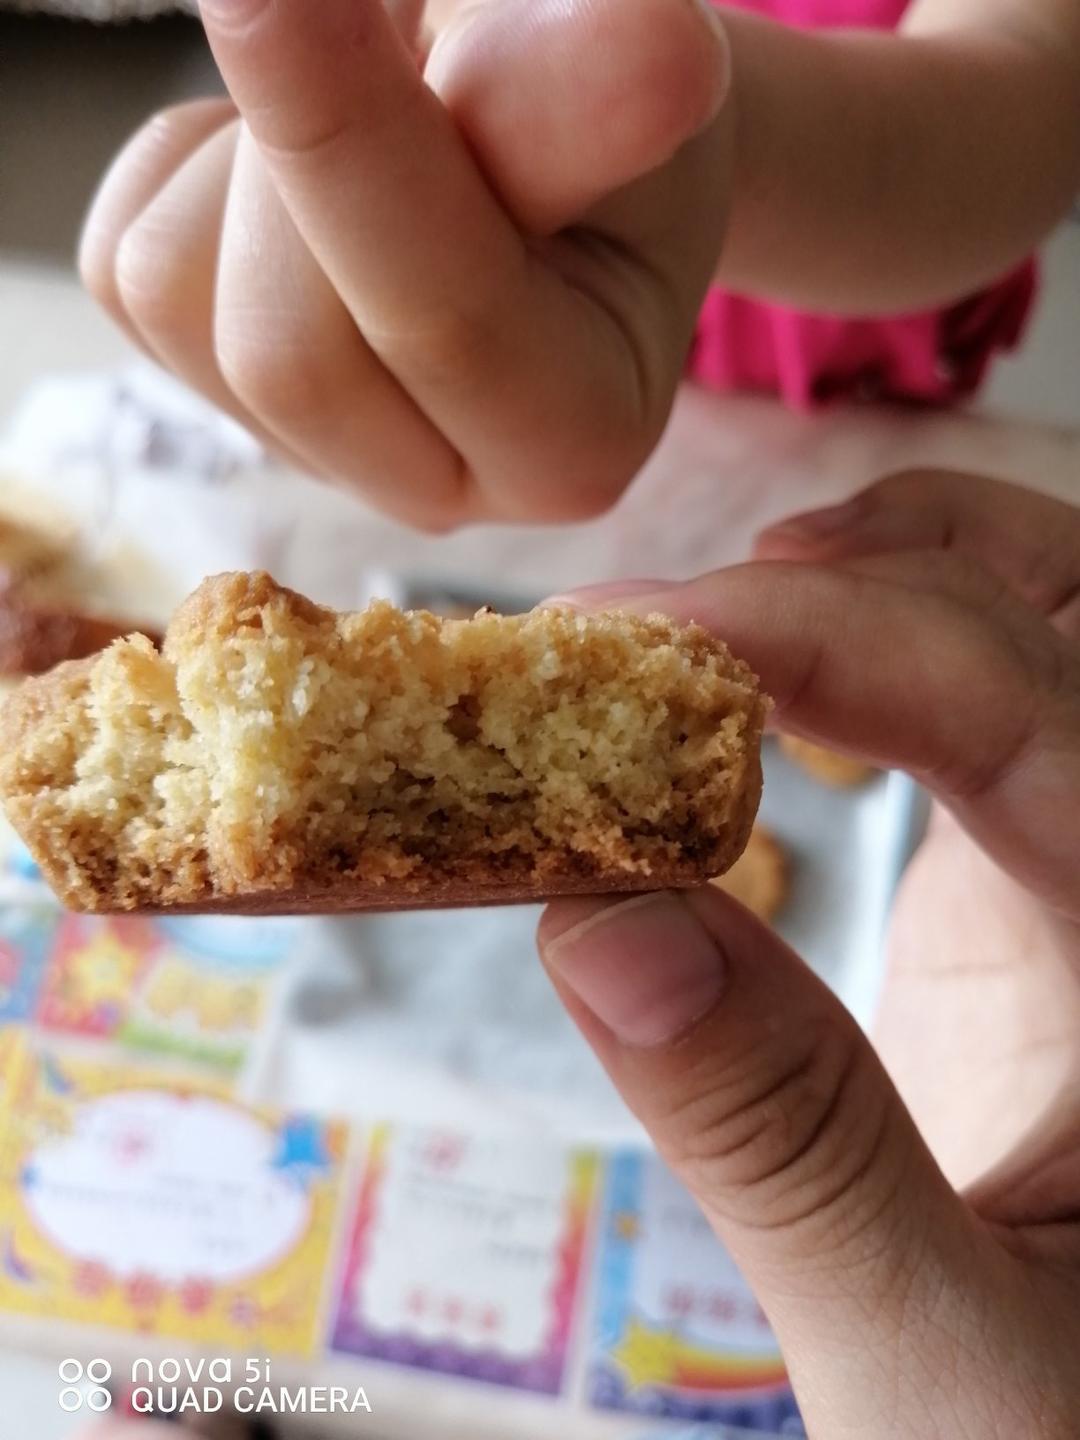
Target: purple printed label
465	1257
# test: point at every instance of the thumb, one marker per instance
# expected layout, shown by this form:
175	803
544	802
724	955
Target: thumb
769	1103
565	101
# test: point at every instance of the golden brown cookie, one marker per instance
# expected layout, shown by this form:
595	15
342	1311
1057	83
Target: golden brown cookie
26	553
278	757
828	766
47	609
759	878
34	638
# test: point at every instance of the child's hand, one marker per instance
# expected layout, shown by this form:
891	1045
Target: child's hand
463	299
933	625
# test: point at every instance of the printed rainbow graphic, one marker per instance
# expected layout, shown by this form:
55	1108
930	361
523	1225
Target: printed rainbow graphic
649	1356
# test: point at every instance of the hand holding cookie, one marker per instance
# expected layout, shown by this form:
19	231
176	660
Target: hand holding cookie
941	639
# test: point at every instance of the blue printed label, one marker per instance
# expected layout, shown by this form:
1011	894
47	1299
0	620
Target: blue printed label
677	1331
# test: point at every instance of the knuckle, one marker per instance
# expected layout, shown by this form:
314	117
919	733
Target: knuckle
322	135
160	131
782	1135
306	142
159	283
453	350
559	491
146	162
592	495
96	264
233	23
145	278
963	576
1047	572
588	502
913	481
437	523
597	460
271	378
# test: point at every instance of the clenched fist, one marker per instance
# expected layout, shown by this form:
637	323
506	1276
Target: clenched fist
466	290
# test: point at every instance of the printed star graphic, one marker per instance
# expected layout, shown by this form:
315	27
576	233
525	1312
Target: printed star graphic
301	1149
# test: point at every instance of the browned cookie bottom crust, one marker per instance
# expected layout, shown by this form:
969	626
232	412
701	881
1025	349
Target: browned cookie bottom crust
278	757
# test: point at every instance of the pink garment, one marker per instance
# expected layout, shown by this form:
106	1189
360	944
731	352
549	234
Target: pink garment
932	357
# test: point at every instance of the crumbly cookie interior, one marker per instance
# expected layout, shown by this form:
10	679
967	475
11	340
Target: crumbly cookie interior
274	744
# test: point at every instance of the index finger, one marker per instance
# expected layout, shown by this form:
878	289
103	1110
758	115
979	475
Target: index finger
958	683
1031	540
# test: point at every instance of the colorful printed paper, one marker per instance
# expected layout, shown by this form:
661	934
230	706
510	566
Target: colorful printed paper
19	871
466	1256
792	1430
197	988
13	1047
677	1332
26	936
162	1209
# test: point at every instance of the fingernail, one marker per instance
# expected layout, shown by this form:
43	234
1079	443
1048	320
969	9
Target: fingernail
646	967
609	593
819	524
711	14
712	17
223	11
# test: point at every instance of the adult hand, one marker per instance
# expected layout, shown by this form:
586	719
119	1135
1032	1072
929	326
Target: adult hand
467	292
933	626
